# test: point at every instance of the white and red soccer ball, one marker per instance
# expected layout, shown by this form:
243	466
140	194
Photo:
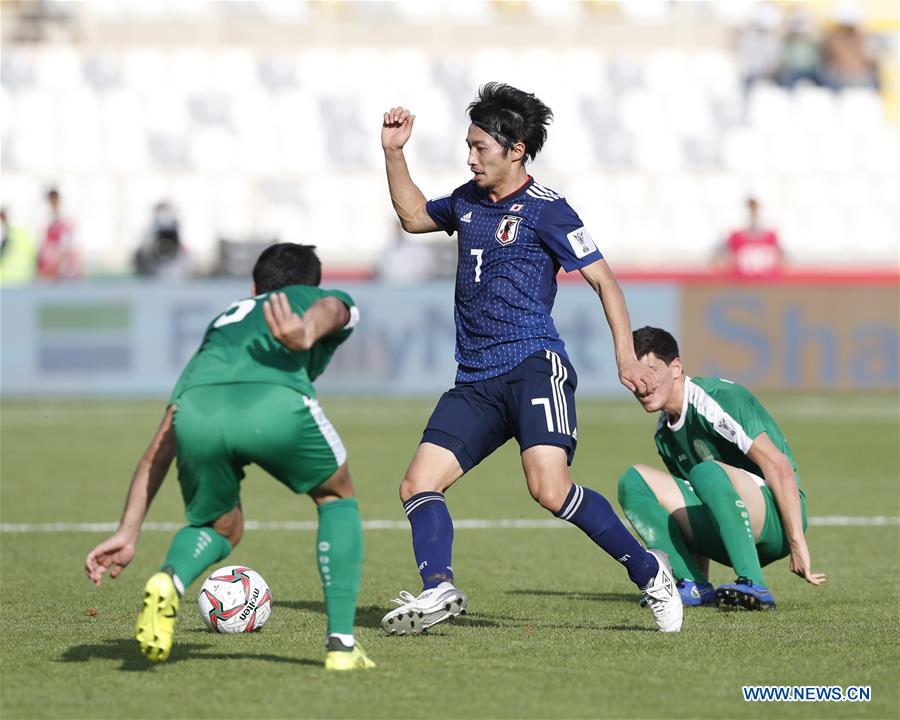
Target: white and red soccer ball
235	599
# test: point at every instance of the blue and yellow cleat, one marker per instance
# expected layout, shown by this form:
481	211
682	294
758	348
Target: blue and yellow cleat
693	595
340	657
156	621
743	593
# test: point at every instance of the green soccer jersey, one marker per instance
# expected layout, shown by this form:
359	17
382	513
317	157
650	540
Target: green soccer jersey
719	421
239	348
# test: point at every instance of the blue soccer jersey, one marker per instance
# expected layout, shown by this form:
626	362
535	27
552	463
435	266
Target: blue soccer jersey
509	254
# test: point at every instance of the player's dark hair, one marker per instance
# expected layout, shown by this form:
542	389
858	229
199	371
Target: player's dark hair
286	264
654	340
510	115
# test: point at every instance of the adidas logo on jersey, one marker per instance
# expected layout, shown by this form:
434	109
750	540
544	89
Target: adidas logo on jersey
467	218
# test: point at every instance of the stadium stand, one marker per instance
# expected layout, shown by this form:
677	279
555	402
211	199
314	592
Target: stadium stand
260	119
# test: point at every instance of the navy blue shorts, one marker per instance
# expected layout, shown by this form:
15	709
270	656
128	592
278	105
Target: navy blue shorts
534	403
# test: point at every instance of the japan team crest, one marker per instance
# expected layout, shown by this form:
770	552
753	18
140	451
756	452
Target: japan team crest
508	229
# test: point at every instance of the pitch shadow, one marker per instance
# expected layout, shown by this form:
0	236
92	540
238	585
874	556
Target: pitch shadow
132	660
629	628
369	616
576	595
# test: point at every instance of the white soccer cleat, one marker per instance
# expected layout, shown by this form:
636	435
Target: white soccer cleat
662	596
417	614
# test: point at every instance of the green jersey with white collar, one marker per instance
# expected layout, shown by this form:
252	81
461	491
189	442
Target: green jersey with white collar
719	421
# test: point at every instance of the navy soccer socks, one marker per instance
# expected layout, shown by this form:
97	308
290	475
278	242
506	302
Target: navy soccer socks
592	512
432	536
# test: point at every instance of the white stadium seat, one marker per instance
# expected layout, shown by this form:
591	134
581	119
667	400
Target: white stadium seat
744	150
145	69
212	149
769	107
860	109
58	68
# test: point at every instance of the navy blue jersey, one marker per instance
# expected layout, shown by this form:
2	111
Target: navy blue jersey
509	254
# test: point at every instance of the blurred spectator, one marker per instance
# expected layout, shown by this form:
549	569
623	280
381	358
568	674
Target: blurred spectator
847	62
801	52
406	261
57	257
752	251
759	45
18	253
161	253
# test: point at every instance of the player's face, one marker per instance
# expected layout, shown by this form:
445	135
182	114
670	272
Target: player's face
666	375
489	161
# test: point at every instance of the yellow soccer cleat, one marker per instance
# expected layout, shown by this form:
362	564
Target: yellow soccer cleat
156	621
352	659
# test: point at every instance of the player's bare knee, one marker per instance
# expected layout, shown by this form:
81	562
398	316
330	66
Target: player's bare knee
550	496
552	501
337	487
415	482
230	526
232	533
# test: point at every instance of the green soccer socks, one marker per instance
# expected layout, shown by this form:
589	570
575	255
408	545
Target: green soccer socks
339	553
656	527
731	518
194	549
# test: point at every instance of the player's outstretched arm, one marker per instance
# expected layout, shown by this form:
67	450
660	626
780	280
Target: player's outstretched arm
632	374
116	552
408	200
779	475
298	333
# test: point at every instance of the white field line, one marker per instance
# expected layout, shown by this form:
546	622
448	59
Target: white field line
301	525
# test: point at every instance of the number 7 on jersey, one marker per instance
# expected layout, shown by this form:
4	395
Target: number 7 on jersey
477	254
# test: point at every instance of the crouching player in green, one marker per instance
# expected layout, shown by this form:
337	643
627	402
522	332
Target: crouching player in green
731	493
247	396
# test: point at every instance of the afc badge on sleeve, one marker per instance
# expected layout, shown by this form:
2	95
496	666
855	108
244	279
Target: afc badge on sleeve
581	241
508	229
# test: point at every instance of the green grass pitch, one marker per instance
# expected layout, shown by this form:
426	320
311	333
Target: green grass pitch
554	628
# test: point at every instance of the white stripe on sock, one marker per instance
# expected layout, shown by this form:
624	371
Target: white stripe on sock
421	501
574	504
347	641
179	586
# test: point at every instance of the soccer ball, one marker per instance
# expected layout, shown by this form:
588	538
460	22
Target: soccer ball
235	599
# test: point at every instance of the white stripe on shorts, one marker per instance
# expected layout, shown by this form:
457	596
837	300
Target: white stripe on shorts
557	380
553	388
327	429
562	396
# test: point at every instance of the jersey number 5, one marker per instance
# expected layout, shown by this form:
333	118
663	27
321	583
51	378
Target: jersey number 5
236	312
477	254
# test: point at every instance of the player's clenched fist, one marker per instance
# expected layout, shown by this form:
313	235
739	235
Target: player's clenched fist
396	128
286	326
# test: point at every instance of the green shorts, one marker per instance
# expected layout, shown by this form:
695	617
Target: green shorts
220	429
771	546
